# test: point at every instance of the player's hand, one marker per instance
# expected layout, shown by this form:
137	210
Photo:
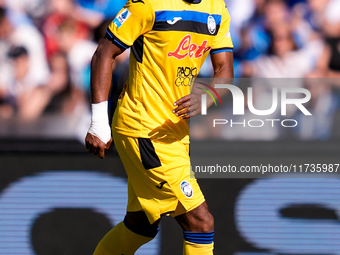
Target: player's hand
96	146
188	106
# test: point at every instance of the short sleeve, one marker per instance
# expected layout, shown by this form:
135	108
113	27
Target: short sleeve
135	19
222	40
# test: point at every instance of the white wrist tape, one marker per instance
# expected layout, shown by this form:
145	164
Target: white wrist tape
100	122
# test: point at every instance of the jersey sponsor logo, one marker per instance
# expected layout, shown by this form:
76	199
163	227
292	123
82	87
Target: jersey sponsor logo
175	19
188	49
138	1
121	18
187	189
211	25
185	76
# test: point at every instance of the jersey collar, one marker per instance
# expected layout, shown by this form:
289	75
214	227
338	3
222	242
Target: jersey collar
193	1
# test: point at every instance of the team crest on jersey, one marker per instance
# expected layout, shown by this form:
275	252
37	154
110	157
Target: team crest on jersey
187	189
121	18
211	25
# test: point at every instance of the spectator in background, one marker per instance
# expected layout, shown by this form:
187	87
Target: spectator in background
64	96
34	9
59	12
28	37
328	65
285	59
276	13
254	36
71	9
78	50
58	96
50	30
325	92
21	86
324	15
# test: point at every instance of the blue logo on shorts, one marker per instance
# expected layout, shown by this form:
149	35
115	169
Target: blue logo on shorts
186	189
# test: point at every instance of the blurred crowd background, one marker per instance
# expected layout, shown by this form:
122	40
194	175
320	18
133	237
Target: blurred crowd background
46	48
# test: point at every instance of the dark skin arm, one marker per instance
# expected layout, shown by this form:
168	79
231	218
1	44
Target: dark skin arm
190	105
101	76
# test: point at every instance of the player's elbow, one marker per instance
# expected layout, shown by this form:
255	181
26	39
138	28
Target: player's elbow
224	71
99	53
100	57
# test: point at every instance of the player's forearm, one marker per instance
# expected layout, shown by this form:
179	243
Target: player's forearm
99	135
101	75
223	74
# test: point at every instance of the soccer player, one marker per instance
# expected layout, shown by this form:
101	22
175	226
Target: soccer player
169	42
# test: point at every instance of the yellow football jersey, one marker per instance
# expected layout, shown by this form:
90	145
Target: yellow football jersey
169	42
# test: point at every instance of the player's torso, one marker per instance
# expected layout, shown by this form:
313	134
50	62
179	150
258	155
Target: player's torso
179	43
165	61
